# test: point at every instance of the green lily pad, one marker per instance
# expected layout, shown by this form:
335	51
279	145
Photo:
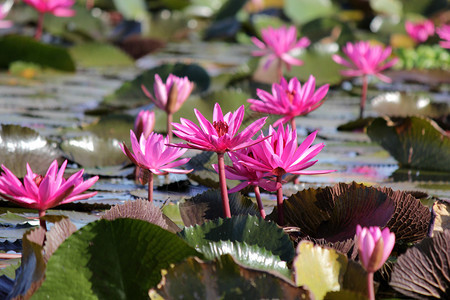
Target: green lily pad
388	7
100	55
132	9
323	270
322	28
27	49
115	259
252	256
303	11
223	278
415	142
21	145
112	125
130	93
249	229
93	152
208	206
13	219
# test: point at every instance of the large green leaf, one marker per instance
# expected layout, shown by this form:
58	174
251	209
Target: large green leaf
251	256
323	270
224	279
119	259
131	9
27	49
388	7
303	11
100	55
249	229
130	93
415	142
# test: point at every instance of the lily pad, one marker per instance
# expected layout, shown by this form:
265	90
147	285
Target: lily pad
423	271
303	11
208	206
100	55
249	229
252	256
27	49
21	145
92	152
415	142
398	104
130	93
223	278
112	259
324	270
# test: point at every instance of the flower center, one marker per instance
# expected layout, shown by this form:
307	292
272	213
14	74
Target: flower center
38	179
278	171
291	95
221	127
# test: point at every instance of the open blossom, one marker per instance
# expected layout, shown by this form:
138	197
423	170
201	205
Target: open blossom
365	59
374	246
171	95
289	99
280	43
144	123
249	176
44	192
153	154
59	8
281	154
219	136
444	33
419	31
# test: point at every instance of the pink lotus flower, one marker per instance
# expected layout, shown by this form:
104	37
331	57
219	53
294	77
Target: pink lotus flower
154	155
279	44
444	33
144	123
290	99
280	154
59	8
419	31
170	96
44	192
374	248
365	60
220	136
4	10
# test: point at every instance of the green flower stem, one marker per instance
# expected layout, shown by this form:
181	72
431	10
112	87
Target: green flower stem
280	202
223	185
259	201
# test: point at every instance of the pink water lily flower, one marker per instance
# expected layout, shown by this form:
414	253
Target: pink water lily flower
144	123
153	154
44	192
59	8
365	59
290	99
444	33
280	44
170	96
280	154
220	136
374	248
419	31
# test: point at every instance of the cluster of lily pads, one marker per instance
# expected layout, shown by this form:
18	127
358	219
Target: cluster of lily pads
331	242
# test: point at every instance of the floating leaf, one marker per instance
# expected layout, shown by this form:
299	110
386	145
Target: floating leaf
401	104
115	259
13	219
303	11
92	152
59	232
99	55
27	49
21	145
423	272
208	206
251	256
323	270
131	9
130	93
249	229
224	279
414	142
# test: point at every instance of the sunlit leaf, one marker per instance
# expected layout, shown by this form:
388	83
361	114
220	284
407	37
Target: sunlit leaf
303	11
99	55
